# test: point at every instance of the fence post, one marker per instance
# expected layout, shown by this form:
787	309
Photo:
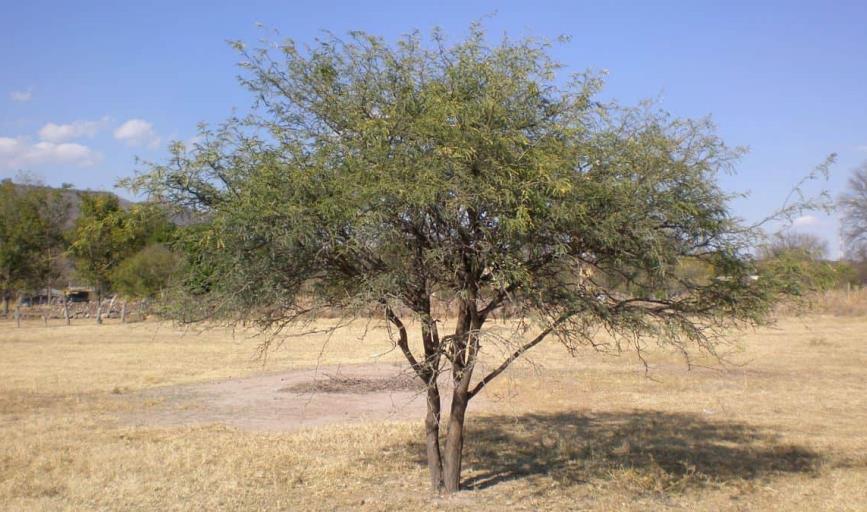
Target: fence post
65	310
142	310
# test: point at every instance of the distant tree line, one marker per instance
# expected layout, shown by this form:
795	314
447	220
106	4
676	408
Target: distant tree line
45	244
51	238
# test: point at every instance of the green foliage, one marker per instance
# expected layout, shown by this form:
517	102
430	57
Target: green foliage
800	277
386	174
801	259
848	272
31	241
798	245
146	273
105	235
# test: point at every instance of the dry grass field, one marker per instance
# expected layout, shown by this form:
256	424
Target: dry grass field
783	426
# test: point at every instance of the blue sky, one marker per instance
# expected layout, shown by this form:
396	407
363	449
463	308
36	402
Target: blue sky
85	87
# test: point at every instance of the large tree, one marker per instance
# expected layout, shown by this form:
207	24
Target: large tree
32	219
854	208
398	175
105	235
146	273
804	245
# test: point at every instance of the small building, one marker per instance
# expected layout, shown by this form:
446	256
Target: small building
80	294
42	296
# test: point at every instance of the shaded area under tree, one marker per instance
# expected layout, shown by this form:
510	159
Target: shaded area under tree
664	451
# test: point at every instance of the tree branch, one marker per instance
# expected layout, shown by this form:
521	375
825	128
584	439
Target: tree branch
516	354
403	343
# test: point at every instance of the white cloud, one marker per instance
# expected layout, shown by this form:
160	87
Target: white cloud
21	96
20	153
52	132
806	220
137	132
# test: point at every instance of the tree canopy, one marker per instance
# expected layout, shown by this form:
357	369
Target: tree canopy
803	245
32	220
853	204
104	235
398	176
146	273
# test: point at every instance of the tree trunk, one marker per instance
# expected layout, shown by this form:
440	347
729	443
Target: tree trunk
18	313
123	313
445	470
466	345
99	308
5	305
432	437
111	305
427	370
455	442
431	363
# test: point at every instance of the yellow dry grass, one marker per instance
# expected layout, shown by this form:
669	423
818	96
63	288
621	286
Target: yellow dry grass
781	428
850	302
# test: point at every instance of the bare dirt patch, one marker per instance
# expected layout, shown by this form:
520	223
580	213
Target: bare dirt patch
343	384
293	399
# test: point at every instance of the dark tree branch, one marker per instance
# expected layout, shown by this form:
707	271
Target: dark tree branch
403	343
518	353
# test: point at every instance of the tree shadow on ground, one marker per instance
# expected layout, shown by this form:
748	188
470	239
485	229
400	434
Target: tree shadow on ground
650	450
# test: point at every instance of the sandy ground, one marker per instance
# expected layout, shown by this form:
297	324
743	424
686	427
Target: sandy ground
293	400
144	417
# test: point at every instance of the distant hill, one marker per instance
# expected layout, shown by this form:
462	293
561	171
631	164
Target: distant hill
73	195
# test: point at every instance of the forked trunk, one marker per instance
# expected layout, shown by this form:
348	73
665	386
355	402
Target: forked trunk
445	471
